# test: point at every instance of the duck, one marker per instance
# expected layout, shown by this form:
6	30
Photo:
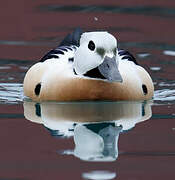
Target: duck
88	66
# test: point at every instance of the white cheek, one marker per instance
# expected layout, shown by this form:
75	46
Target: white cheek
86	60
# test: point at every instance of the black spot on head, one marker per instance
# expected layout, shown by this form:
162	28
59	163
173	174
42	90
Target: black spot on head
38	89
91	45
144	88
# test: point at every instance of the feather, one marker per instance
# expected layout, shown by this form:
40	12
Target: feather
70	42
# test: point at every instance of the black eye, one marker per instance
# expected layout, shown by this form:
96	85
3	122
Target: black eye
91	45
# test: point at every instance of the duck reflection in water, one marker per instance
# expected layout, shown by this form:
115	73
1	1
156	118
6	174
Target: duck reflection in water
96	142
96	126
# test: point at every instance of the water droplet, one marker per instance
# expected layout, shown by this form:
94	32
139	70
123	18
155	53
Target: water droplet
95	19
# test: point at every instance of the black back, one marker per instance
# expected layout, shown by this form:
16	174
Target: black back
127	56
72	39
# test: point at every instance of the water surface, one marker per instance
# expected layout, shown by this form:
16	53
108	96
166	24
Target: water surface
87	140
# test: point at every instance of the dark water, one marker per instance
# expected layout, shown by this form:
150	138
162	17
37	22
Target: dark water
130	140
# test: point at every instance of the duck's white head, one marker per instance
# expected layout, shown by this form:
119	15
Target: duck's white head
97	56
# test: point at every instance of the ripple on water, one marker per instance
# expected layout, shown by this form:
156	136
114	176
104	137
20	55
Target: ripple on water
169	52
163	84
155	68
11	93
143	55
146	10
164	95
98	175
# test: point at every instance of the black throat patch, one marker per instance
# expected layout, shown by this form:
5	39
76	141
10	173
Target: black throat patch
94	73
